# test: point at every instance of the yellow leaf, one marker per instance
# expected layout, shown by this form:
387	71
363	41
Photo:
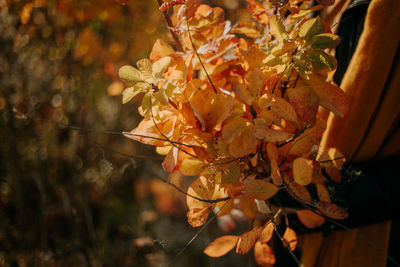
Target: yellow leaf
129	74
305	102
302	171
191	167
160	49
146	69
221	246
249	206
131	92
160	66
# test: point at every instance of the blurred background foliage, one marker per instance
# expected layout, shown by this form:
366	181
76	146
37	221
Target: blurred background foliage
85	196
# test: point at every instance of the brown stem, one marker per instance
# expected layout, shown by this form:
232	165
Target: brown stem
170	26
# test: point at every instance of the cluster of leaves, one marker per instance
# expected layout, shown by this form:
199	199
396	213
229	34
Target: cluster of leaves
241	107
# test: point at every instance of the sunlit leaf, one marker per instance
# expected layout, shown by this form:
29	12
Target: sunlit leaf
129	74
198	216
290	238
330	96
191	167
247	240
160	66
131	92
264	255
311	27
267	233
325	40
323	193
221	246
302	171
146	69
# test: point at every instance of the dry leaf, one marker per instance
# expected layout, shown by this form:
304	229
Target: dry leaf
221	246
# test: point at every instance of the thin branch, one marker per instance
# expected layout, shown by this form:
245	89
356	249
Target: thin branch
195	50
118	133
282	240
294	137
211	201
170	26
330	160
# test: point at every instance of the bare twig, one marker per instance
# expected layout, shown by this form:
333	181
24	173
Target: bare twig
195	50
170	26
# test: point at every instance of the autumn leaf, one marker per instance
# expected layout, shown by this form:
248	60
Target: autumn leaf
247	240
329	96
325	40
198	216
309	219
273	154
264	255
267	233
129	74
310	28
260	189
332	210
221	246
323	193
299	192
191	167
305	103
290	238
249	206
302	171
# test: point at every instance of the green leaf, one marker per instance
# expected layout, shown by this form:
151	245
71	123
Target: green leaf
129	74
325	40
133	91
321	60
310	28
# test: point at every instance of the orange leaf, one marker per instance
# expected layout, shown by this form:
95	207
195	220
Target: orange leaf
220	246
214	108
323	193
290	238
160	49
262	131
331	210
273	155
249	206
330	96
260	189
201	188
310	219
267	233
170	160
305	103
302	171
247	240
299	191
264	255
197	216
191	167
